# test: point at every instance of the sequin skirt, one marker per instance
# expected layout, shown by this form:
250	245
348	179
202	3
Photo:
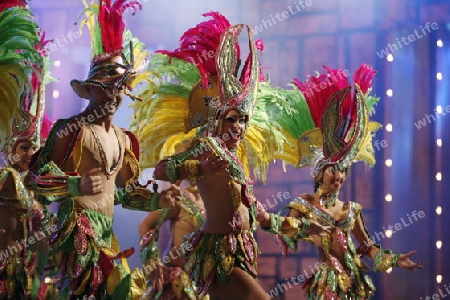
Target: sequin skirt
215	255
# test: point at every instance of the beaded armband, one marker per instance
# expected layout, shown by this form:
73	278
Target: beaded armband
192	167
58	184
128	202
138	197
384	260
73	185
172	170
302	233
275	224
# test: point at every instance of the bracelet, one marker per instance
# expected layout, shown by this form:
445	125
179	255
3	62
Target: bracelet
275	224
154	199
384	260
395	260
171	170
73	186
305	228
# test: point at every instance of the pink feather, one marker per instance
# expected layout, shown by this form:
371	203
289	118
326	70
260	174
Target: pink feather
198	45
45	127
363	77
317	91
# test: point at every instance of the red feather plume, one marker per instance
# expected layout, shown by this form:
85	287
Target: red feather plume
198	45
112	24
12	3
317	91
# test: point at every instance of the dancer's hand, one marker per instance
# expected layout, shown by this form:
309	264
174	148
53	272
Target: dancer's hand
405	263
91	182
212	163
170	197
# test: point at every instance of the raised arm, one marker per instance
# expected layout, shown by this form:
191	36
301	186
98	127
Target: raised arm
149	233
151	220
294	226
382	259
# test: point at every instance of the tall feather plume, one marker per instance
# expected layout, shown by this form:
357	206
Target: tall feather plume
198	45
158	121
18	58
111	22
107	33
317	91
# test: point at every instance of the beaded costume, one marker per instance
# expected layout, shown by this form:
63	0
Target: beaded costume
84	236
187	103
24	222
335	131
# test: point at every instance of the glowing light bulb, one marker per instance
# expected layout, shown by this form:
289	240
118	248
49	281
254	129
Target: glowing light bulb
388	162
389	93
388	233
389	127
55	94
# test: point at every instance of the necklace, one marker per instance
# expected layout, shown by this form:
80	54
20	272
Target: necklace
327	199
108	172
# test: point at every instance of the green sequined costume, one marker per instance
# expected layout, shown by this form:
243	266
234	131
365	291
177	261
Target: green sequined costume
84	237
336	278
215	255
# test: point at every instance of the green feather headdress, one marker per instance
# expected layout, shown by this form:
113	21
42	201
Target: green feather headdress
20	57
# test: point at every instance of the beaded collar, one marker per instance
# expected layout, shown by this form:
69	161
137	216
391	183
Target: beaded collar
108	172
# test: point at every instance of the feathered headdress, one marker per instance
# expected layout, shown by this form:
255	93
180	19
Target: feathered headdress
196	85
12	3
335	128
106	27
21	65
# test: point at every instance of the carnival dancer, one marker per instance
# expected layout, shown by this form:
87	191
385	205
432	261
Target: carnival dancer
167	279
24	223
88	165
201	97
335	131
